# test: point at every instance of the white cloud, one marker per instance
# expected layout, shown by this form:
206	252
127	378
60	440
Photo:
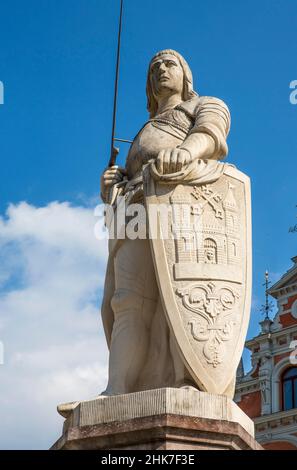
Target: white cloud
51	280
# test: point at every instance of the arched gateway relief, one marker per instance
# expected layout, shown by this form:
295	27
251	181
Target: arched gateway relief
206	224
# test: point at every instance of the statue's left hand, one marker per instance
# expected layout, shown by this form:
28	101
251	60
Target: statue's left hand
172	160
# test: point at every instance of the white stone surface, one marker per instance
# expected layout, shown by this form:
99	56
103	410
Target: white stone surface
185	402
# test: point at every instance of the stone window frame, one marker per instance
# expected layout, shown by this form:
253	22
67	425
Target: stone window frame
276	385
292	380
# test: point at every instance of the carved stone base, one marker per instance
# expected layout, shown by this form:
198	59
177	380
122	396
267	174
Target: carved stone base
168	418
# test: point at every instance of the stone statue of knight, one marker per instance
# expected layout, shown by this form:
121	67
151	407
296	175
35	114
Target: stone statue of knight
176	316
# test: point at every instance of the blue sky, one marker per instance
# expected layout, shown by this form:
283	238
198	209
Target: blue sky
57	60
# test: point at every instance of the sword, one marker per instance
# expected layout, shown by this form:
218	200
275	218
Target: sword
113	150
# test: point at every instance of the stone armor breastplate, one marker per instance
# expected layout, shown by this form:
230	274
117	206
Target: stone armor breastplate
165	130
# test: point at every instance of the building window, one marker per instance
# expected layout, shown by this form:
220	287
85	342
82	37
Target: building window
234	249
289	387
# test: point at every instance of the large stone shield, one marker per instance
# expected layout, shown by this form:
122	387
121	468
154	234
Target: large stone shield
203	269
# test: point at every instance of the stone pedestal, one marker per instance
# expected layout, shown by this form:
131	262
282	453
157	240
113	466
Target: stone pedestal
167	418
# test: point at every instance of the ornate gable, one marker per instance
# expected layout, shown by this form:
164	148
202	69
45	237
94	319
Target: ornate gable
285	291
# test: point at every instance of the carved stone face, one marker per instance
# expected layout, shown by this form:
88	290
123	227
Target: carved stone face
209	256
167	75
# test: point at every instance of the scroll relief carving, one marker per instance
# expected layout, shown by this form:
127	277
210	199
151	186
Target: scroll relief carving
212	324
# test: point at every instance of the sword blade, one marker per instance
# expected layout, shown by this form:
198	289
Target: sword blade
113	150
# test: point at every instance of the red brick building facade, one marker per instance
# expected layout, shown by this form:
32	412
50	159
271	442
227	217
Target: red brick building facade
268	392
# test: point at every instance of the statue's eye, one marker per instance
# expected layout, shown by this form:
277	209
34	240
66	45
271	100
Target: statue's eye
170	63
155	66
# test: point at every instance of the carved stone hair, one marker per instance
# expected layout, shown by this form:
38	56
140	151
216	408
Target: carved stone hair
188	91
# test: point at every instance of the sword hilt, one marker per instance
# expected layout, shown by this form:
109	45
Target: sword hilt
114	153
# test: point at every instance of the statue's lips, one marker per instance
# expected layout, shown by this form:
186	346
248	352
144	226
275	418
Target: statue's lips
163	79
